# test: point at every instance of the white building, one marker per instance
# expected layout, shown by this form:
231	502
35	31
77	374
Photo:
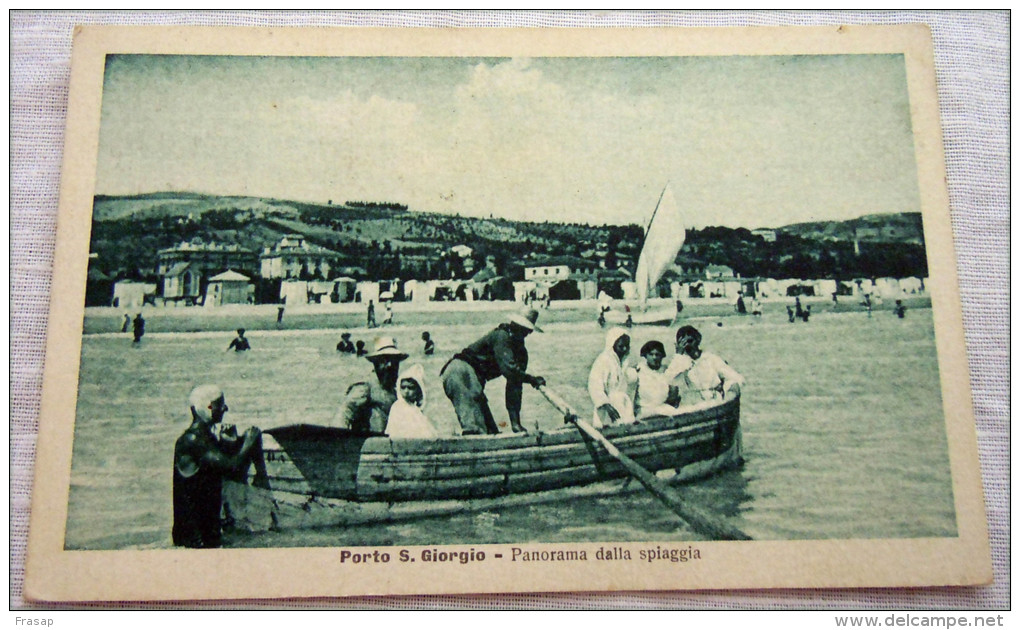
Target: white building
294	256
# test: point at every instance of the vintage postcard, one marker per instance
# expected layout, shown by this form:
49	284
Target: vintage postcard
404	311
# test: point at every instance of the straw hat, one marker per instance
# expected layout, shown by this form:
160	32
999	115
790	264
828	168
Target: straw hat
385	347
526	319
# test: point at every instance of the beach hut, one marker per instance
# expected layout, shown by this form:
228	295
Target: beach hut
131	294
343	290
293	292
368	291
229	287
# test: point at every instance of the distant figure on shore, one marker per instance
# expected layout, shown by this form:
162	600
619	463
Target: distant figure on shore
835	297
756	308
867	303
359	348
741	307
805	313
430	346
201	463
387	314
790	314
366	405
240	342
127	323
602	316
279	314
609	380
139	327
679	307
407	418
345	345
900	310
798	309
371	314
500	352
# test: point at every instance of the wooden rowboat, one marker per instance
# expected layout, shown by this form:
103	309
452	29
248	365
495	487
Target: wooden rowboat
324	476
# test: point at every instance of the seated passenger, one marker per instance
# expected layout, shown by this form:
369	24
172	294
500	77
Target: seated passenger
609	381
700	375
407	420
654	395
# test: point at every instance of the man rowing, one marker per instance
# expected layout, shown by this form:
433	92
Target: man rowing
500	352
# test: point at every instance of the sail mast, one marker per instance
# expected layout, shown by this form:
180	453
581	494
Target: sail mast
658	203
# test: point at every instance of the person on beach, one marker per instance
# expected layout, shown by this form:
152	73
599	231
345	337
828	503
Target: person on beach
798	310
500	352
240	342
127	323
790	314
900	310
805	313
387	314
609	381
345	346
371	314
654	395
139	327
366	405
201	463
430	346
279	314
700	375
359	348
867	303
741	307
407	418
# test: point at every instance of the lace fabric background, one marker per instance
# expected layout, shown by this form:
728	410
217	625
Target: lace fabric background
972	68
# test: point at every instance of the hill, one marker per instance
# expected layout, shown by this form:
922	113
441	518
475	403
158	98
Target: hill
389	240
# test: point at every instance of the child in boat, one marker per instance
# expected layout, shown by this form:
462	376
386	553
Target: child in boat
609	381
407	420
654	395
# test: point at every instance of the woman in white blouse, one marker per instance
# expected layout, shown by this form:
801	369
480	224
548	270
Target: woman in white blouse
700	375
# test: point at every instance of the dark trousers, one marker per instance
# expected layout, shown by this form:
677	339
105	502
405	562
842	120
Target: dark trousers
467	393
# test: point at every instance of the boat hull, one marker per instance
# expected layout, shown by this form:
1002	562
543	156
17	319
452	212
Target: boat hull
323	476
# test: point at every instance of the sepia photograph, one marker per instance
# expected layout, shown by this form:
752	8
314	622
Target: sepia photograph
462	308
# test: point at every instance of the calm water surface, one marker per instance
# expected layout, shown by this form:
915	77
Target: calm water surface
842	419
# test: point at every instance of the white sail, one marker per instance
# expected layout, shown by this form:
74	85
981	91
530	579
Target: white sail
665	237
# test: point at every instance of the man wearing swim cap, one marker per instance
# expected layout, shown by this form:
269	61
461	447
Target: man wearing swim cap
200	465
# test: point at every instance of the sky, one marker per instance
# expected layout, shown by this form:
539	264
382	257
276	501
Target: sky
742	141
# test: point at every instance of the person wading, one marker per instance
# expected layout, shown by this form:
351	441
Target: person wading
200	466
500	352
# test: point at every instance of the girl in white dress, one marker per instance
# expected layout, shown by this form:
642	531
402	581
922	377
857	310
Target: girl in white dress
407	420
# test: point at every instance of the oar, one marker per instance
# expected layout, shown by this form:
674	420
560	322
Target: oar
701	520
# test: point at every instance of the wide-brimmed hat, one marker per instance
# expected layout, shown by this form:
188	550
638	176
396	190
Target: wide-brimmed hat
526	319
386	347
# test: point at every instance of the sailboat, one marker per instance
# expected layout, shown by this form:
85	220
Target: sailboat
664	237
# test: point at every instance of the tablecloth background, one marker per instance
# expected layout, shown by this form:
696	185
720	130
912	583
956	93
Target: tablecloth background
972	68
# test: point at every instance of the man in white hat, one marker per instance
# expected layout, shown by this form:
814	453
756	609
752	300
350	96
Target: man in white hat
500	352
366	405
201	464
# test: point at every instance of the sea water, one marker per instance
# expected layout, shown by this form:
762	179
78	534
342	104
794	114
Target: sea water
843	430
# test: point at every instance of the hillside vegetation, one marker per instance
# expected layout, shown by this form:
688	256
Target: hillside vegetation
388	240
